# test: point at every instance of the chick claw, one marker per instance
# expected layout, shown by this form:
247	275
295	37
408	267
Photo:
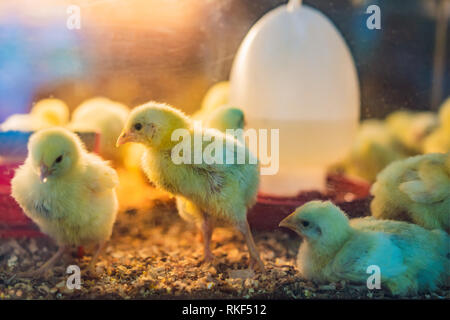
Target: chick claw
91	271
208	257
255	261
257	265
43	270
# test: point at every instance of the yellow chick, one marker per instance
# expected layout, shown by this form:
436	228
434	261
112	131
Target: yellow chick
411	128
416	189
410	258
216	96
44	114
106	117
222	118
219	192
54	111
374	148
68	192
439	139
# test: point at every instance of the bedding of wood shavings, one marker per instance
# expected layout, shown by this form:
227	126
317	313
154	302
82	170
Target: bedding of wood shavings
153	254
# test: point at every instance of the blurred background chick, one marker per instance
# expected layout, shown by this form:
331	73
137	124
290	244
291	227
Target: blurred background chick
374	148
416	189
106	117
411	128
44	114
217	95
439	139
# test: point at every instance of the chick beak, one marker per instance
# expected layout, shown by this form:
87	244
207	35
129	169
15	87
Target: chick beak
44	173
289	222
124	138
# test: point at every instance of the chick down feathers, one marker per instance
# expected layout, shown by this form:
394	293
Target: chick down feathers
416	189
411	259
215	176
77	204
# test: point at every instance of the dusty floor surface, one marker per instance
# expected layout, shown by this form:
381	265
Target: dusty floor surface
153	254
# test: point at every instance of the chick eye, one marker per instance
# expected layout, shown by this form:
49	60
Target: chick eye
59	159
305	223
138	126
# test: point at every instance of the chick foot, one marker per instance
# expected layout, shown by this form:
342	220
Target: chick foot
209	257
42	271
256	265
91	271
206	234
255	261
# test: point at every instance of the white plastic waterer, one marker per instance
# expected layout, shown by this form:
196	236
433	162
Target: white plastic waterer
294	72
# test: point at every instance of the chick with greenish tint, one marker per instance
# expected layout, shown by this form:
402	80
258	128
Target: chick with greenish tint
214	192
222	118
226	118
411	259
216	96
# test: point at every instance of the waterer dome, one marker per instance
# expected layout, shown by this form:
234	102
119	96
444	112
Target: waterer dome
294	72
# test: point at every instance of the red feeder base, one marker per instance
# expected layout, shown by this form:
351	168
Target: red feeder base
351	196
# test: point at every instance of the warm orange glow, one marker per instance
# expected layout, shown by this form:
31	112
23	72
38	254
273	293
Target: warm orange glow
164	15
134	191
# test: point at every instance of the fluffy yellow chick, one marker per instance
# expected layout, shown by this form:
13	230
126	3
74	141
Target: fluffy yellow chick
222	118
45	113
439	140
374	148
416	189
411	259
68	192
411	128
216	192
216	96
54	111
